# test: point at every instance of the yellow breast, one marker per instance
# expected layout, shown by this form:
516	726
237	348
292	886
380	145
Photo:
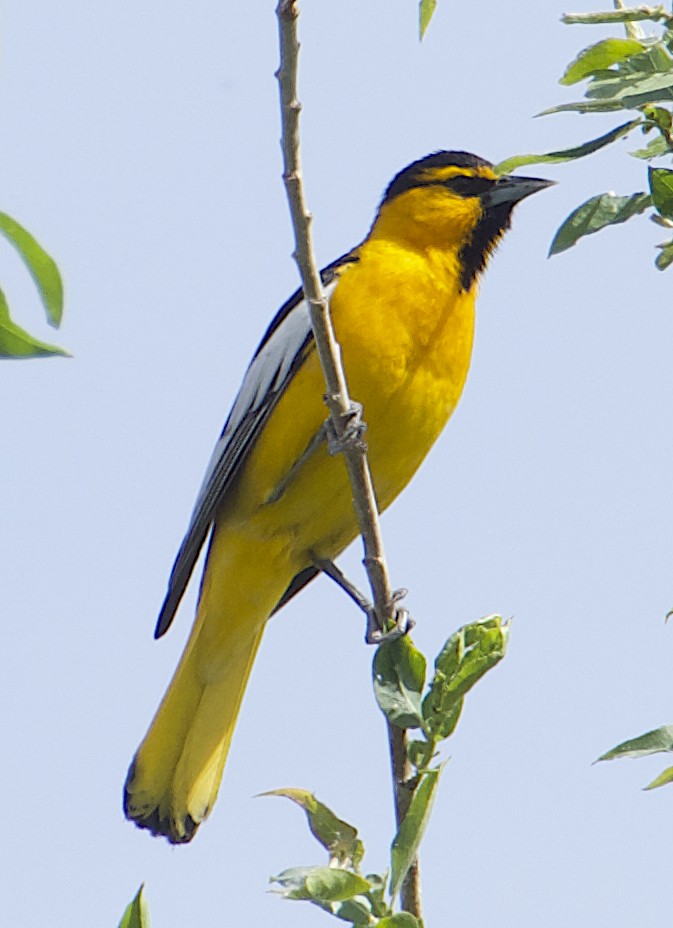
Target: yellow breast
406	356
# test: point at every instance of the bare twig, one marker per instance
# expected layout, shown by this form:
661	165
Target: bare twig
337	397
620	15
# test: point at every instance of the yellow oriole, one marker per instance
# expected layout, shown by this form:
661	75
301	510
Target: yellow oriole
273	500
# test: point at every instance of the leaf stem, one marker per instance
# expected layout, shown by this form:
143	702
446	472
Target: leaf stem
403	790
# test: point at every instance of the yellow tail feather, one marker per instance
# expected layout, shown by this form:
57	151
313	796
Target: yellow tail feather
175	775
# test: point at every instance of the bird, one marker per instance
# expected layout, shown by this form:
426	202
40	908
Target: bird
275	504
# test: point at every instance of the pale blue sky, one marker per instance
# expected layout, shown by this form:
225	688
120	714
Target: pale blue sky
140	146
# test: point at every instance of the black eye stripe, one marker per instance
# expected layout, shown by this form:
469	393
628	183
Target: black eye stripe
468	186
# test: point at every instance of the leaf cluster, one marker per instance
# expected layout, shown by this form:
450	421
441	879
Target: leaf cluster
632	74
339	888
399	676
15	342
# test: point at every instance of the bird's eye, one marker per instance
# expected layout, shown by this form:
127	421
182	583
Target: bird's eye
466	186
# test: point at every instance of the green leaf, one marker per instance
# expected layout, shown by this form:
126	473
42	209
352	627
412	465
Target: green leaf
654	149
357	911
665	257
661	188
324	886
633	90
665	777
293	882
400	920
468	654
332	884
15	342
419	753
407	840
601	55
657	741
660	116
399	677
376	895
137	914
43	269
426	9
336	836
598	212
654	60
567	154
586	106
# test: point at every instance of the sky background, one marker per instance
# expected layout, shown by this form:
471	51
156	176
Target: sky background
141	148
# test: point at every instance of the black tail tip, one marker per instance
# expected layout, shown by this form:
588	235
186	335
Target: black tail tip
154	819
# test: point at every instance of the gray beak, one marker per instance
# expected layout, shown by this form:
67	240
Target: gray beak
509	189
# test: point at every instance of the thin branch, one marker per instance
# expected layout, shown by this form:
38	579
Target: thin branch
631	15
337	397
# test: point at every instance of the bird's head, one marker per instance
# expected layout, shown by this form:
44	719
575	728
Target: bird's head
452	200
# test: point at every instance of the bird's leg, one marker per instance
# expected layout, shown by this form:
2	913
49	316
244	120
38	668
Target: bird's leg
403	621
354	429
330	569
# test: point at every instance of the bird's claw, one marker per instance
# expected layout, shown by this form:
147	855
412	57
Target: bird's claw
402	622
354	429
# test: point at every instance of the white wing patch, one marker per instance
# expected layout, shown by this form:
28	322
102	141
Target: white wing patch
269	372
264	378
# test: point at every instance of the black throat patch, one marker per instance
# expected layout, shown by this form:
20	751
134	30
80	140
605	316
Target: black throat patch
489	230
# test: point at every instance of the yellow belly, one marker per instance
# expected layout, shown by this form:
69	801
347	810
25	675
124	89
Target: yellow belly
406	362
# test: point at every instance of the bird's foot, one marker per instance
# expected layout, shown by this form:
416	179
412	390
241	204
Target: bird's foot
399	625
353	429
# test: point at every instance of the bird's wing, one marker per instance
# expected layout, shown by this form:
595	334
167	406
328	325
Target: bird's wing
281	352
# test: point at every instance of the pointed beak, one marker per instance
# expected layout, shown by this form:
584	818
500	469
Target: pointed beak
509	189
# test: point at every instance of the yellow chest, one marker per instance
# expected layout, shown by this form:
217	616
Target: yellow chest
407	332
406	336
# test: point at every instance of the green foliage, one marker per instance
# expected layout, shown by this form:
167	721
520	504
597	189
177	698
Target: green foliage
137	914
399	679
399	675
15	342
600	211
658	741
408	838
468	654
400	920
661	187
426	9
630	74
339	888
567	154
598	57
337	837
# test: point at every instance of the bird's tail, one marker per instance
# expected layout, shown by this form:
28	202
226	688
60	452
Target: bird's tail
175	775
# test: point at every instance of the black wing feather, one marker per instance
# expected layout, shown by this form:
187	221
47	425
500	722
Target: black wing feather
235	452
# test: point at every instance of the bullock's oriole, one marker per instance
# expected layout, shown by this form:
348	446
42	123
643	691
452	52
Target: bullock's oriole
273	500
